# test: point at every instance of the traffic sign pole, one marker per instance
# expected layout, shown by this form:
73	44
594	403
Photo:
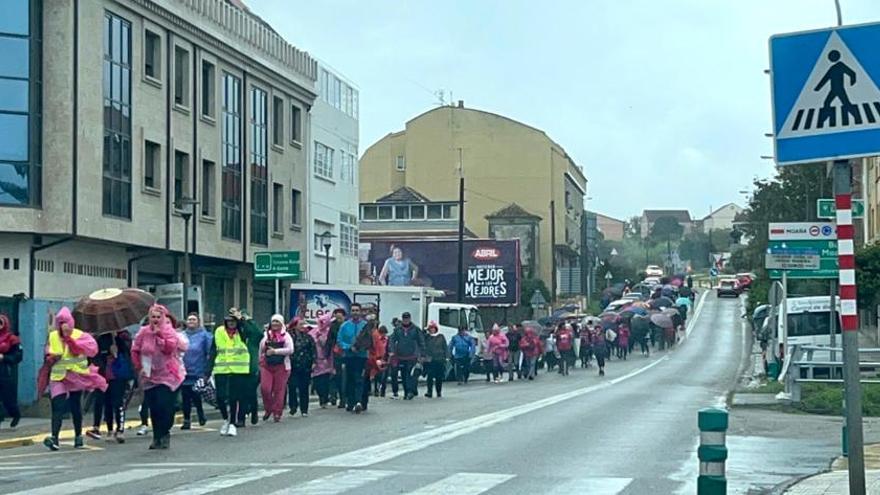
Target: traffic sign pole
850	323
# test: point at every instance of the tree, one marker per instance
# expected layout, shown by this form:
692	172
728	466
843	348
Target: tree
696	247
529	285
633	227
868	275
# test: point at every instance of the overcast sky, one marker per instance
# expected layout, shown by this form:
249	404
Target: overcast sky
664	103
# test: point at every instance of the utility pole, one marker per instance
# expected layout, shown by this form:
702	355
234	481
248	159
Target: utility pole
553	250
460	295
850	322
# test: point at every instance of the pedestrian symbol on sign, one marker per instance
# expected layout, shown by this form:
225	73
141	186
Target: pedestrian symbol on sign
838	96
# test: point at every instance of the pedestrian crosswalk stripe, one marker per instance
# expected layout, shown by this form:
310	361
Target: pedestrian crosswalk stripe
464	484
97	482
202	487
337	483
599	486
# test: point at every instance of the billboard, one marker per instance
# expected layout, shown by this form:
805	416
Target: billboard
491	268
310	304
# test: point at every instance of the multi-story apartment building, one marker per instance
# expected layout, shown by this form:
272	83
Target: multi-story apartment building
519	184
333	181
113	111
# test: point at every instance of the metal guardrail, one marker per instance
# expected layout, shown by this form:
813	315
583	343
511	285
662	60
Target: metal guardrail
801	367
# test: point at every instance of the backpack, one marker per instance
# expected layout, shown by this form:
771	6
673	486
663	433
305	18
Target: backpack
461	345
364	340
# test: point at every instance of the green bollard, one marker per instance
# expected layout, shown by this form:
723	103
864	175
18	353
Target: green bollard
712	453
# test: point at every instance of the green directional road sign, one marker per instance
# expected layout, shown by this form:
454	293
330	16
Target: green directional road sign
825	208
827	250
273	265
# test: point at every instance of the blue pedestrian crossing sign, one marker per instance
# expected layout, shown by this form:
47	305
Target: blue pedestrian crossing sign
826	101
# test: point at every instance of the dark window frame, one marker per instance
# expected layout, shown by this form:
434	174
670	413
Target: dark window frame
231	187
209	179
209	89
152	165
152	52
259	165
296	124
117	180
278	121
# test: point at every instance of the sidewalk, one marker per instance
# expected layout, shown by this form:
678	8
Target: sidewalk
835	481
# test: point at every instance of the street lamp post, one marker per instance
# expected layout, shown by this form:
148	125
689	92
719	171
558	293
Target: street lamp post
326	244
186	208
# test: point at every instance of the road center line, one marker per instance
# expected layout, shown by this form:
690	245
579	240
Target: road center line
401	446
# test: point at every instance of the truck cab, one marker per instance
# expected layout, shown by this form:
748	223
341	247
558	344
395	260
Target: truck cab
450	317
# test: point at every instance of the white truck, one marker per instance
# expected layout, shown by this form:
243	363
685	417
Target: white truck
386	302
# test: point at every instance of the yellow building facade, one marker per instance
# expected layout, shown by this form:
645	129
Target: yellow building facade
504	162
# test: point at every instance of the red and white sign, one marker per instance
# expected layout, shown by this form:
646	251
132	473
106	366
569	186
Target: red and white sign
486	253
802	231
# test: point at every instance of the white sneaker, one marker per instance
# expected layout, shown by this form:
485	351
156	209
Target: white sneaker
231	431
142	430
224	430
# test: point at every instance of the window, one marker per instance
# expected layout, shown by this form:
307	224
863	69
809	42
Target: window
277	121
321	228
208	81
455	318
369	213
400	163
348	163
20	104
295	207
385	213
152	55
450	212
116	194
231	186
323	161
181	176
348	234
259	167
295	124
435	212
208	181
181	77
152	164
401	212
277	208
417	212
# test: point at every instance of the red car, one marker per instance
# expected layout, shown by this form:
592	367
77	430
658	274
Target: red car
744	280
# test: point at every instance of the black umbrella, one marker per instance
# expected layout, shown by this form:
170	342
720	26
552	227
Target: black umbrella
662	302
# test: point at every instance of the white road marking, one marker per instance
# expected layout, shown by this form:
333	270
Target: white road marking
97	482
599	486
337	483
405	445
219	464
210	485
693	320
464	484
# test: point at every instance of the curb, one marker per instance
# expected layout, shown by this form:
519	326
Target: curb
16	442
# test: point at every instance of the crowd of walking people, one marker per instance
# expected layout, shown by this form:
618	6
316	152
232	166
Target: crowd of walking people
343	359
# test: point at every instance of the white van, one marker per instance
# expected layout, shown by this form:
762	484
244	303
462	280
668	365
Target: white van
809	323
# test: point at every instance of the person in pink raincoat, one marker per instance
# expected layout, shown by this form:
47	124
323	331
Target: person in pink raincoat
156	357
497	347
67	352
275	350
324	368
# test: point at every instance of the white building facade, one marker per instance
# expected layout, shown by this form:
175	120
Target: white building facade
123	109
333	181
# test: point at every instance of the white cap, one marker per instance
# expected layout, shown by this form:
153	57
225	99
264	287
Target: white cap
278	318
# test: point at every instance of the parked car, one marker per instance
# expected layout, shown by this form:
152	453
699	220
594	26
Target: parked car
651	282
728	287
653	271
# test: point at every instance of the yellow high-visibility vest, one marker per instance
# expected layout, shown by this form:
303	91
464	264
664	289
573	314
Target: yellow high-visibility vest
69	361
233	357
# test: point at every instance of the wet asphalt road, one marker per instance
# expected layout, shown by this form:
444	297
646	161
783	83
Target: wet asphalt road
631	432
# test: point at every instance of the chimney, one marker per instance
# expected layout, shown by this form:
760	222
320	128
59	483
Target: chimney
460	103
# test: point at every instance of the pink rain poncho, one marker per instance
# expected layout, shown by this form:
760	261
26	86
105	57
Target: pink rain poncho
156	354
323	354
84	345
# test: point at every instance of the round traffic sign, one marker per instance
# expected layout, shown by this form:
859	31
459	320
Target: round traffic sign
827	230
814	230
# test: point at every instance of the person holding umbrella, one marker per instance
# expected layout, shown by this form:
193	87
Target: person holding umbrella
252	334
155	355
10	356
70	374
230	365
114	364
